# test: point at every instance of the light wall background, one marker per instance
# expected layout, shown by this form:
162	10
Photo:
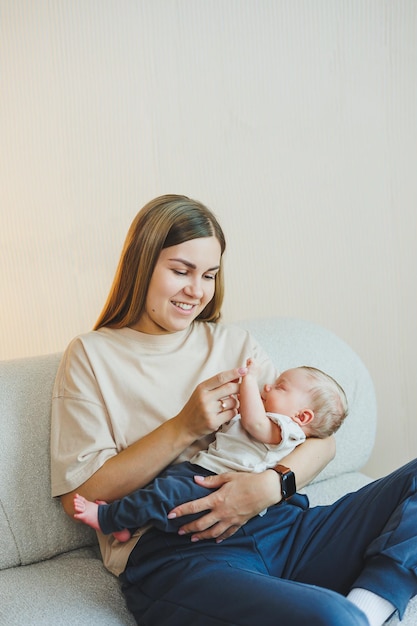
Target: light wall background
294	120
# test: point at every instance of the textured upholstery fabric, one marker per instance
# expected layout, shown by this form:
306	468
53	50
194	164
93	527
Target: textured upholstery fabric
73	588
37	527
50	569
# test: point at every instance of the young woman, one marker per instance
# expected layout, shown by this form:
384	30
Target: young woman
148	387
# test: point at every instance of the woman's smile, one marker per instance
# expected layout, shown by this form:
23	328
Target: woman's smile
184	306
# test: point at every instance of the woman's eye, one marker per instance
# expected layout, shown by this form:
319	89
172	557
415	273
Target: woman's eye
210	276
180	272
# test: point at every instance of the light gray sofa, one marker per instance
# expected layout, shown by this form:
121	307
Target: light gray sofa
50	568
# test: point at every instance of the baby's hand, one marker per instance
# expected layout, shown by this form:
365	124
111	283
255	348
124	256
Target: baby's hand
252	366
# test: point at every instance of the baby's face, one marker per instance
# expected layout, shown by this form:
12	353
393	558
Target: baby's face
289	395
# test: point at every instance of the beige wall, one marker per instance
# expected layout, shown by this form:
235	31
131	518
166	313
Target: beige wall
294	120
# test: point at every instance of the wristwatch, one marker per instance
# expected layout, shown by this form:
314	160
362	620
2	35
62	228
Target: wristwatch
287	477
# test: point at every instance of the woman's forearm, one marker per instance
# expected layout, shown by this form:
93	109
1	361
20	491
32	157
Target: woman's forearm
309	459
133	467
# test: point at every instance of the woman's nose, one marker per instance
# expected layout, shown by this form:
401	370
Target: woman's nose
194	289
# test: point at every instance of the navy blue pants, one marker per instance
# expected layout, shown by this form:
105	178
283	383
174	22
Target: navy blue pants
291	567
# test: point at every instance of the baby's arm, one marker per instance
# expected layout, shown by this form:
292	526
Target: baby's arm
252	411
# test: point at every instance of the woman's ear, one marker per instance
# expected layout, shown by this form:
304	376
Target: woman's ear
304	417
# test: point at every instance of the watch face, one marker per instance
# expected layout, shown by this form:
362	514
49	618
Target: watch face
288	485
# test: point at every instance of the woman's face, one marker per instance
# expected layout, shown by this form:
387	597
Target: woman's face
181	286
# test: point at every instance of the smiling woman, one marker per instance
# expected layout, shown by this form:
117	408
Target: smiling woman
150	387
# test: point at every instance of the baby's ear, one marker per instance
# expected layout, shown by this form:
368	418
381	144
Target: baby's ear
304	417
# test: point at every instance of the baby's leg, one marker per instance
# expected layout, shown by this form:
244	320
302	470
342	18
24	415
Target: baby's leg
87	512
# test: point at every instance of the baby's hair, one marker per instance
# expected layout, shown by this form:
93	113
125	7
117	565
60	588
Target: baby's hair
329	403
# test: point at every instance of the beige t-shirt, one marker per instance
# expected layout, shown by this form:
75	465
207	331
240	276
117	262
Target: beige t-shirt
114	386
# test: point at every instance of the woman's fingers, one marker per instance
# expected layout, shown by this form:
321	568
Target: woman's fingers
224	388
227	383
212	403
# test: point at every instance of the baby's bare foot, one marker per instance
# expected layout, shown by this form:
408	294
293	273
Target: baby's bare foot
86	511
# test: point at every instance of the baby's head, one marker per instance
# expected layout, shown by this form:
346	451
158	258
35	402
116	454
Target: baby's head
310	397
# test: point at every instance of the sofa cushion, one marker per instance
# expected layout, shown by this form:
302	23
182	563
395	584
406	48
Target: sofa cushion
72	588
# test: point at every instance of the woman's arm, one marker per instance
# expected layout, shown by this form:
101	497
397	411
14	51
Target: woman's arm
133	467
139	463
239	496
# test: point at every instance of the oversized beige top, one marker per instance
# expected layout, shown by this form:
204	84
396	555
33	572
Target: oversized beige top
114	386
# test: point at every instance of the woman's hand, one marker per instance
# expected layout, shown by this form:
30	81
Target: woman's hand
212	403
239	497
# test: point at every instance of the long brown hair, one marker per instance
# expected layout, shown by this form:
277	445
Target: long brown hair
165	221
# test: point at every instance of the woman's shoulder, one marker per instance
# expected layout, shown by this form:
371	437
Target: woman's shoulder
84	340
100	337
83	347
86	356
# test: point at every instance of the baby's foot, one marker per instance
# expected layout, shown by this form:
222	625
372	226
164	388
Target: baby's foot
86	511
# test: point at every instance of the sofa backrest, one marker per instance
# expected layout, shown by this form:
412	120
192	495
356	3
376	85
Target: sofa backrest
34	527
